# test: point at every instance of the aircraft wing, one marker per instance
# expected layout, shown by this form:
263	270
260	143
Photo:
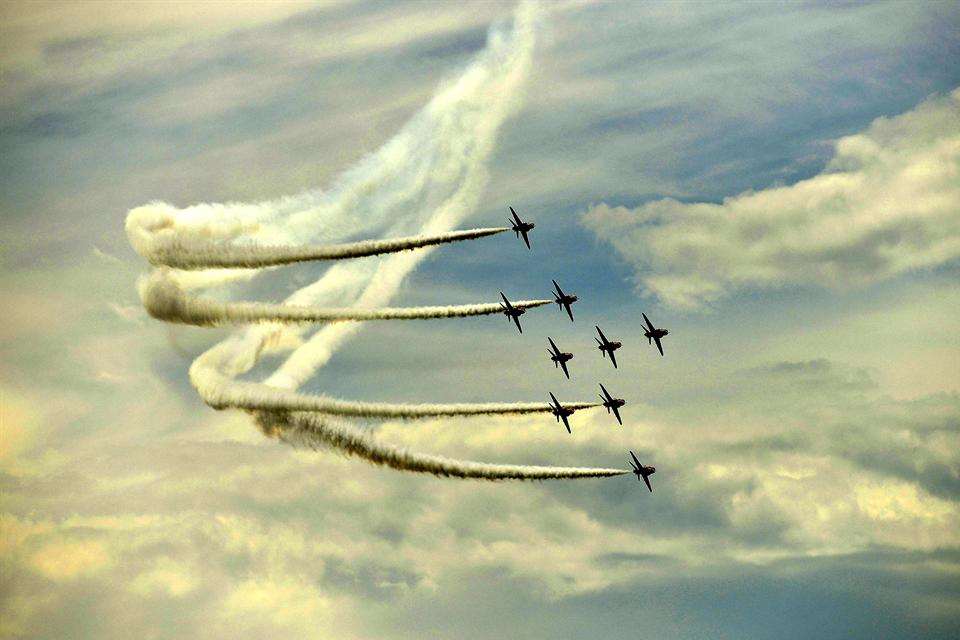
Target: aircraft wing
602	337
613	359
526	240
552	344
563	365
556	402
505	301
559	290
647	480
516	321
649	324
605	392
569	311
516	218
659	346
567	425
617	415
634	456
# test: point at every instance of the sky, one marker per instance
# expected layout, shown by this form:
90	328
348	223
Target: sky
777	184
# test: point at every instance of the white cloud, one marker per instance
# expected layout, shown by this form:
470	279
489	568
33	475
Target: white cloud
887	203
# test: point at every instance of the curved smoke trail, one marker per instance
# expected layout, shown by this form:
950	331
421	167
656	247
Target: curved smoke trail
416	189
304	429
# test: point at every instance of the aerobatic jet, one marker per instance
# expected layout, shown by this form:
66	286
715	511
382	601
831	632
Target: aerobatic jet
511	311
520	227
653	333
559	357
611	403
607	347
560	412
564	300
642	472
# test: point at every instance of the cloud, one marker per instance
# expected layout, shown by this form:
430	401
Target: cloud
887	203
63	560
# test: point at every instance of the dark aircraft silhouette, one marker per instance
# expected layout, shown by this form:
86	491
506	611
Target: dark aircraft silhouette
559	358
564	300
560	412
653	333
642	472
520	227
607	347
512	312
611	403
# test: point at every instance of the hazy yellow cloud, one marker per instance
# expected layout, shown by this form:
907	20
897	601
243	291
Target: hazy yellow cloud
61	560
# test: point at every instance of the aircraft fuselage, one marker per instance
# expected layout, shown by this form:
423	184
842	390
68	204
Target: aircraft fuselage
524	227
644	472
614	403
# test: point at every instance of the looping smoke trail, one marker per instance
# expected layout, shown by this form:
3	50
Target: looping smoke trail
304	429
424	181
165	300
161	247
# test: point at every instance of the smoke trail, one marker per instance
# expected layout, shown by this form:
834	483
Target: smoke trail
422	182
164	300
221	392
164	249
463	120
302	429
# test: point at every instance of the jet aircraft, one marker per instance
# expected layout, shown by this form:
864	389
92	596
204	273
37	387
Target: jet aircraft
642	472
564	300
611	403
560	412
559	357
520	227
652	333
607	347
512	312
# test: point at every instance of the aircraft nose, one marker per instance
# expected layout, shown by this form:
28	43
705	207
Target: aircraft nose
653	469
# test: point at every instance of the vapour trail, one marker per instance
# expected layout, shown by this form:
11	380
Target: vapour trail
423	183
166	249
226	392
164	300
304	429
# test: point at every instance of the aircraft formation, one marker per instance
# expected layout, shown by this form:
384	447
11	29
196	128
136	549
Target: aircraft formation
560	358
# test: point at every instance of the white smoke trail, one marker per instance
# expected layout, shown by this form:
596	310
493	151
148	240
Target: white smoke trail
303	429
163	249
463	121
221	392
423	182
165	300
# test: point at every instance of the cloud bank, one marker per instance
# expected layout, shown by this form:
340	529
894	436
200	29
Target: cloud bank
887	203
